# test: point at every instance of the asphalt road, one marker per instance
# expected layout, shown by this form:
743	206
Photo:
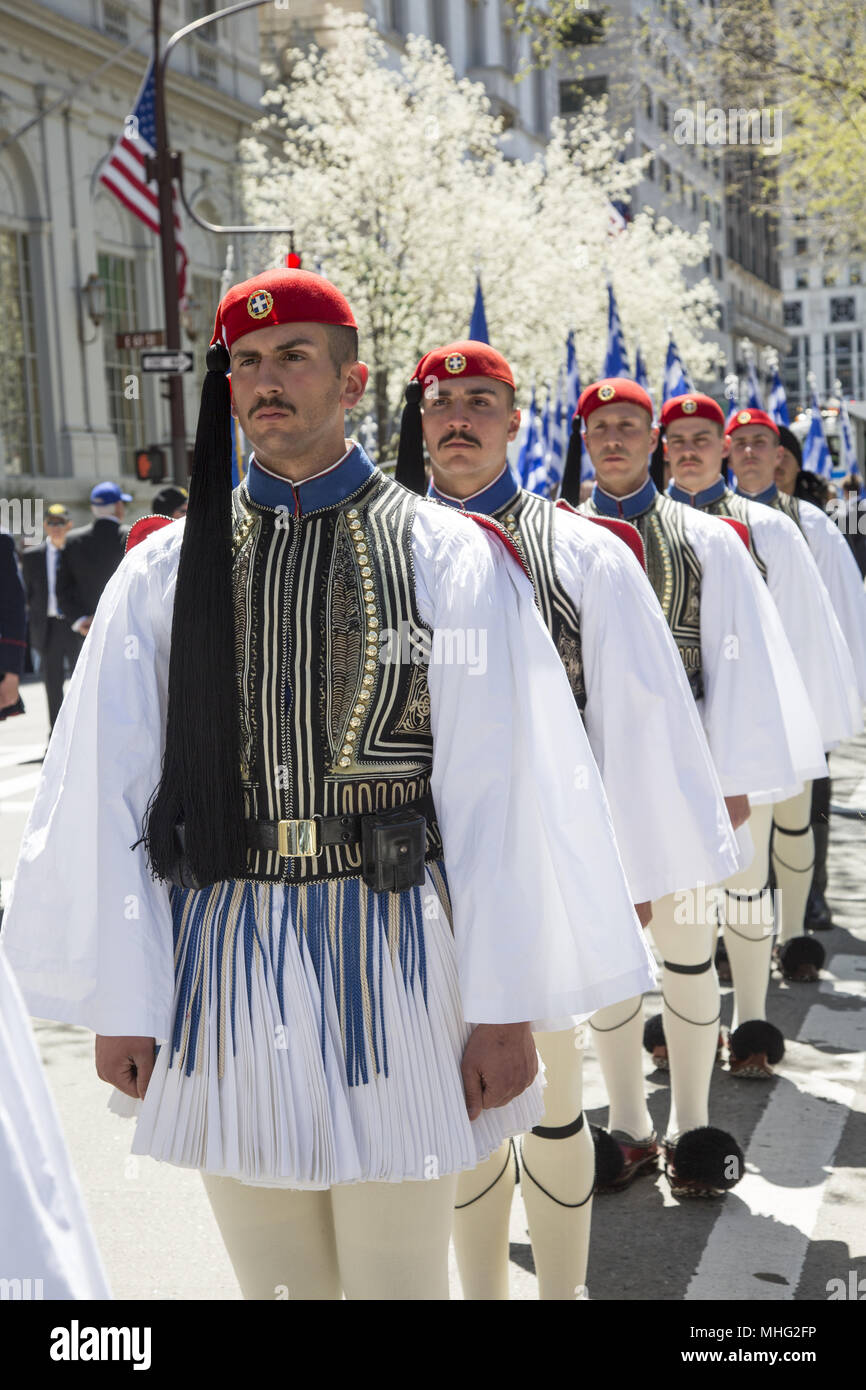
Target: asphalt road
795	1222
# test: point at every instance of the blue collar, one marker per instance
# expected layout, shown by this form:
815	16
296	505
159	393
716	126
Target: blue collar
699	499
768	495
326	489
627	507
503	489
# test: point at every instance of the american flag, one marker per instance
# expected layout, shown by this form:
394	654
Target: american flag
124	172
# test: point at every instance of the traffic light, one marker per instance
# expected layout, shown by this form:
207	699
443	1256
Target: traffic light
150	464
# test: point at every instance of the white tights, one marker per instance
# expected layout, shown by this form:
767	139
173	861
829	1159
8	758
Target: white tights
557	1195
365	1240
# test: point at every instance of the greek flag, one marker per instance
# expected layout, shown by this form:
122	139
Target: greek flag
640	374
847	447
816	452
572	396
538	479
528	456
777	405
478	324
755	401
676	379
558	438
616	360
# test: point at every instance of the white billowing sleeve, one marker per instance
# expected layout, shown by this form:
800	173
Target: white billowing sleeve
671	823
45	1233
87	931
810	623
843	582
759	723
543	921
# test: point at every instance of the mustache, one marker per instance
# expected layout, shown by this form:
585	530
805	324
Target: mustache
272	405
464	438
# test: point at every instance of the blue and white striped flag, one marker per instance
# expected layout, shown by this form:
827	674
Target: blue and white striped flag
777	405
816	451
640	374
676	379
538	479
572	396
755	401
478	324
616	358
847	447
528	449
558	438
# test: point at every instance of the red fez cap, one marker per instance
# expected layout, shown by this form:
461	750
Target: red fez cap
279	296
466	358
691	407
752	417
612	391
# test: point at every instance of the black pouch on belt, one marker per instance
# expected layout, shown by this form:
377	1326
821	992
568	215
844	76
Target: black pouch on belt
182	875
393	845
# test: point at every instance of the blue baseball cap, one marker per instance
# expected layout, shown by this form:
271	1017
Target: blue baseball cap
105	493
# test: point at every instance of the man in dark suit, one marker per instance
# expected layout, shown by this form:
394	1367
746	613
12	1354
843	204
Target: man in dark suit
50	633
91	555
13	626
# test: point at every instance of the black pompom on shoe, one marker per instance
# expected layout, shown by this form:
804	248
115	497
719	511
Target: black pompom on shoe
755	1047
654	1042
801	958
704	1162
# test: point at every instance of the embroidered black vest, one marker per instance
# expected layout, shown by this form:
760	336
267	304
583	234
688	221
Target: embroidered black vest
729	504
674	571
783	502
327	726
529	520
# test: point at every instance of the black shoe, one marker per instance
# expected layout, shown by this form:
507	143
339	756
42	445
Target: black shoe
818	916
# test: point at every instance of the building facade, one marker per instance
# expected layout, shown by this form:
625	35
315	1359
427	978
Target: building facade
76	406
475	34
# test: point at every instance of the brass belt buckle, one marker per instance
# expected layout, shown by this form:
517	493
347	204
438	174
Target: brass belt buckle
298	838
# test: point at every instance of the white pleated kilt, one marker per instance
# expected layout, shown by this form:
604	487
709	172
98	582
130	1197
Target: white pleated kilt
318	1032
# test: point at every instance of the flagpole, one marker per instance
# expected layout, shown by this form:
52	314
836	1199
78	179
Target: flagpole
163	173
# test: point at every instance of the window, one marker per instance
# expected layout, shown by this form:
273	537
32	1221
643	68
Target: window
206	295
792	313
854	275
396	17
539	104
717	213
842	309
801	246
665	176
794	370
801	280
199	8
439	22
705	208
831	275
475	33
694	200
126	417
839	362
647	100
21	448
114	20
664	115
650	172
573	95
509	61
718	264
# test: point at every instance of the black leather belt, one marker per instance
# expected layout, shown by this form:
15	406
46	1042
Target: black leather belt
299	838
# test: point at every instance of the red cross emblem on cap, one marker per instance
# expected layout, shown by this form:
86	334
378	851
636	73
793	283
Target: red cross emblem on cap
259	304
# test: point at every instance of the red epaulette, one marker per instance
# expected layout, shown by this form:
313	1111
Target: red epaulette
503	535
623	529
741	529
144	527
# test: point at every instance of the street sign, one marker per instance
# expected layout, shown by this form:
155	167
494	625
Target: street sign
168	361
139	338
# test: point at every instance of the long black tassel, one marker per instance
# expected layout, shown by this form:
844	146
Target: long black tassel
201	781
657	465
410	454
570	489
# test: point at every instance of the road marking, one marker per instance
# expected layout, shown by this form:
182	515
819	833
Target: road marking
765	1226
18	784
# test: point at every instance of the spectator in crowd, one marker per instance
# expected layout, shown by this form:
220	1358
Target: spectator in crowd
170	501
850	516
13	627
50	634
91	555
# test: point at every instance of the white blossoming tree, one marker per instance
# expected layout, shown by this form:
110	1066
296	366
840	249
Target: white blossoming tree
399	186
